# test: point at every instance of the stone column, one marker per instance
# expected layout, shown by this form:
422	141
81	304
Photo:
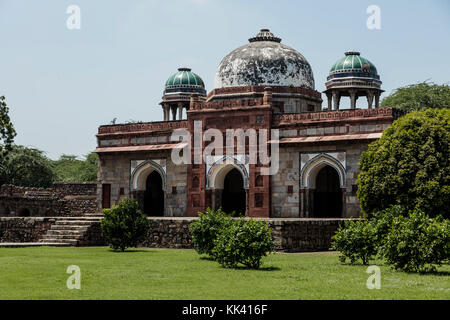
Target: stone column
352	93
174	112
330	100
180	110
377	99
336	100
369	99
166	110
344	202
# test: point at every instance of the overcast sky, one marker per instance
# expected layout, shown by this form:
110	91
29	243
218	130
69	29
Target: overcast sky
61	84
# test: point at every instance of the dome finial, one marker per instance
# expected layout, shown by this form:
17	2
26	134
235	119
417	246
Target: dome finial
184	69
352	53
264	35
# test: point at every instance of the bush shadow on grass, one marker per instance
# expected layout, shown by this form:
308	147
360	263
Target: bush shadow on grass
132	250
437	273
207	258
241	267
429	273
267	268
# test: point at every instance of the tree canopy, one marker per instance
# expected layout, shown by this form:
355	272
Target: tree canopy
30	167
420	96
27	167
409	165
68	168
7	132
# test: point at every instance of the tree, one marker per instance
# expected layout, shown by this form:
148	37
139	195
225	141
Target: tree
420	96
27	167
409	165
7	132
89	168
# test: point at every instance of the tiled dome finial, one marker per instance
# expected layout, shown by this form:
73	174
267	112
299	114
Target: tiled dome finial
264	35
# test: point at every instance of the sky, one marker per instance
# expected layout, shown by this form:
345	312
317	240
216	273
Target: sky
61	83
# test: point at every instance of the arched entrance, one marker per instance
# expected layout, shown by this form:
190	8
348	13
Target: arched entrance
327	196
154	195
233	193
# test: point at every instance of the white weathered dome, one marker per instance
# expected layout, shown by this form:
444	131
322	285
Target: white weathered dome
264	61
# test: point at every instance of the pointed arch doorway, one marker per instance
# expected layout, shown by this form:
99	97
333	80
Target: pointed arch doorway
233	194
154	195
327	195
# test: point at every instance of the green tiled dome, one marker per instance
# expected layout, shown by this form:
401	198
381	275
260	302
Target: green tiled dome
185	77
351	61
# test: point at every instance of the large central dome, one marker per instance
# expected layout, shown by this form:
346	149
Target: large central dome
264	61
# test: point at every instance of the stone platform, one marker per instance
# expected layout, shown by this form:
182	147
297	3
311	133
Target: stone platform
289	234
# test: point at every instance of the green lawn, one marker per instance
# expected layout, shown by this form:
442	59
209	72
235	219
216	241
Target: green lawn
40	273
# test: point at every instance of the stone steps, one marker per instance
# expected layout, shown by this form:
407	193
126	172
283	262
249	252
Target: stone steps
70	242
69	227
65	232
68	230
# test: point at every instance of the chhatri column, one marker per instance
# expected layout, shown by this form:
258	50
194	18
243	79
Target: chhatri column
377	99
352	93
369	99
336	100
173	108
166	110
180	110
330	100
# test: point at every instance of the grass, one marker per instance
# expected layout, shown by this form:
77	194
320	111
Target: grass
40	273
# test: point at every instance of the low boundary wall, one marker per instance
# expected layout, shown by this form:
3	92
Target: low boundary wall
290	235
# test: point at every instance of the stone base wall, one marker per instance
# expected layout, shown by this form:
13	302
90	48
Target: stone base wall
290	235
63	200
24	229
303	235
169	233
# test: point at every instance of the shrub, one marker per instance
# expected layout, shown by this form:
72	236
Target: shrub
417	243
205	230
243	241
409	165
355	240
382	220
124	225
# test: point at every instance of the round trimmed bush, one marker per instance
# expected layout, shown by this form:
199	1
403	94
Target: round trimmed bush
245	242
204	231
124	225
